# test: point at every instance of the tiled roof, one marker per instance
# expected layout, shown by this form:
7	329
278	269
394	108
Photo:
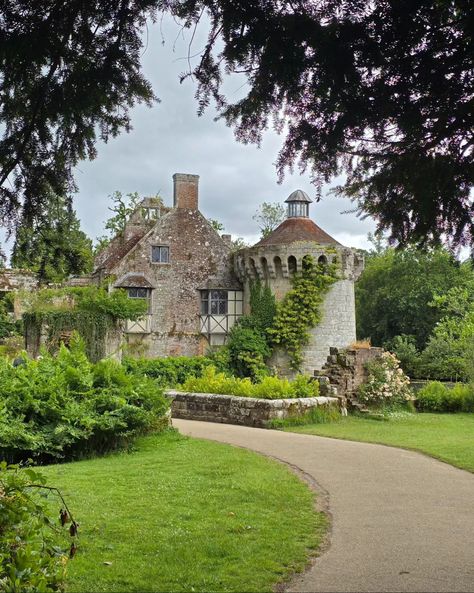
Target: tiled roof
298	229
118	249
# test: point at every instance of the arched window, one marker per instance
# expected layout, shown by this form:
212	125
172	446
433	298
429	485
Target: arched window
264	264
306	262
278	268
292	266
253	267
323	260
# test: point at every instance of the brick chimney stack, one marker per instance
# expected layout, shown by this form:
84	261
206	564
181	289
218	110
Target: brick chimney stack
185	191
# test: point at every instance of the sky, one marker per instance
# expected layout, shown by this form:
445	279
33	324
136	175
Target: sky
170	138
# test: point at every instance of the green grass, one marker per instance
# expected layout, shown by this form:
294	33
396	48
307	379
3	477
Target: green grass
449	437
180	514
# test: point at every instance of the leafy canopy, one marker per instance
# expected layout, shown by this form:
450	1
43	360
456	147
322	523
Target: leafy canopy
381	91
52	244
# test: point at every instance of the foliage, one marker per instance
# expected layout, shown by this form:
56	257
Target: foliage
268	388
51	243
70	76
300	309
269	216
8	325
91	311
436	397
317	415
64	407
30	557
396	287
216	225
404	348
450	350
379	91
248	343
386	383
168	372
216	516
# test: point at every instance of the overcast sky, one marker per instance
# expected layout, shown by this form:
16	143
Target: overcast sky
170	138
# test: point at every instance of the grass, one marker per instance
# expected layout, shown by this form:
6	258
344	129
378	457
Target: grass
449	437
180	514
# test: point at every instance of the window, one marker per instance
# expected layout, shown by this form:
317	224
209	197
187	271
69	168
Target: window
160	254
214	302
140	293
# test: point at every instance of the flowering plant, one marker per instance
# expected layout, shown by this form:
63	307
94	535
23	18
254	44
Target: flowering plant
386	382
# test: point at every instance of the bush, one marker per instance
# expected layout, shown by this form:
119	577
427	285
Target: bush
248	349
404	348
30	557
436	397
64	407
168	372
268	388
386	383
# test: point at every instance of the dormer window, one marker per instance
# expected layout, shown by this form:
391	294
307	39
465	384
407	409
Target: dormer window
160	254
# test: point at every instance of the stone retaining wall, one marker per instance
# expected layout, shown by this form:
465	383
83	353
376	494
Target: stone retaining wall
230	409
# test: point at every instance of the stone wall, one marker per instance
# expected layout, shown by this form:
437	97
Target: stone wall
345	370
246	411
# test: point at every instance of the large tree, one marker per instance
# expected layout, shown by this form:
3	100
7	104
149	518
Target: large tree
381	91
69	73
52	244
396	292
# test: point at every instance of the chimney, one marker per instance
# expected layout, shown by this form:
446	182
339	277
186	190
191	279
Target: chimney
185	191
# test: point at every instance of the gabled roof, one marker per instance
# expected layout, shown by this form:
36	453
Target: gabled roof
297	229
118	249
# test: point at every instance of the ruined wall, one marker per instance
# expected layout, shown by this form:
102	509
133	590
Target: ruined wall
346	370
248	411
198	258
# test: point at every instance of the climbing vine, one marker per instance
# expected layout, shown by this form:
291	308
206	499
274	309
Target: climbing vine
90	311
300	310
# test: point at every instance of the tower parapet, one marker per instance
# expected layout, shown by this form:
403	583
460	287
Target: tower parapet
277	258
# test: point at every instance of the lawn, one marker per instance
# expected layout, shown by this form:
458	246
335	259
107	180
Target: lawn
179	514
449	437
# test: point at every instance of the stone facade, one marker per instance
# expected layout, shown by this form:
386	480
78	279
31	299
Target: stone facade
191	259
275	260
248	411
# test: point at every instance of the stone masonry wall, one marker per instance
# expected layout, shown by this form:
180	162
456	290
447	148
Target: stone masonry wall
198	259
337	327
246	411
346	370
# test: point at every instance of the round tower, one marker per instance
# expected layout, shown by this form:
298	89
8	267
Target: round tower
278	257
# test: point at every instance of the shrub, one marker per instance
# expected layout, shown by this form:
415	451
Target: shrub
436	397
386	383
404	348
268	388
30	557
248	349
64	407
168	372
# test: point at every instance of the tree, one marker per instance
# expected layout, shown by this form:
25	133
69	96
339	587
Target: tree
394	293
69	74
269	216
381	91
52	244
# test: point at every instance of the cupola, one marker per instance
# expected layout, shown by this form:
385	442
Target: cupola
298	204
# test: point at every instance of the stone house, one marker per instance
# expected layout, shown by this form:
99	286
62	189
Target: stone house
173	258
196	287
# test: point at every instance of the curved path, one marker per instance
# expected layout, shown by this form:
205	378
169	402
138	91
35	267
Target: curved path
401	521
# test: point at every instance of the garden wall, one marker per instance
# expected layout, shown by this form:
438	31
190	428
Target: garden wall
248	411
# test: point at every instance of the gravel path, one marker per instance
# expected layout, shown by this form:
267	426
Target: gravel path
401	521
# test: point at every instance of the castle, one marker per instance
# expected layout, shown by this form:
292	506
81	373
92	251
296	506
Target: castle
197	287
